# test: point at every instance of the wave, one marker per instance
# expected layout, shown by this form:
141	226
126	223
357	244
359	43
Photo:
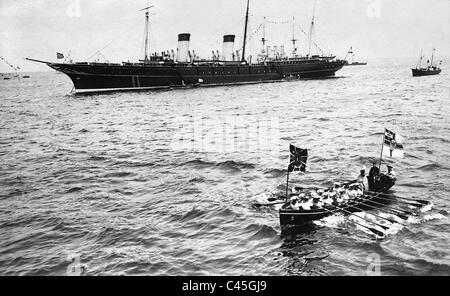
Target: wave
198	163
191	191
426	267
430	167
261	231
193	214
435	216
97	158
197	180
422	138
235	165
227	165
414	185
74	189
225	212
119	174
135	164
274	173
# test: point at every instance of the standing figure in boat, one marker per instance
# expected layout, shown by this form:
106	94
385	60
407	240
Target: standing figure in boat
362	179
373	175
391	173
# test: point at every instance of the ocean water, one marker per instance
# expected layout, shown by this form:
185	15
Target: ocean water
164	182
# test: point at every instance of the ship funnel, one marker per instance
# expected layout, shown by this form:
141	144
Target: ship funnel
228	48
183	47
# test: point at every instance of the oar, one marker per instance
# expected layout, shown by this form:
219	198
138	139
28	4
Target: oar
389	207
411	203
425	202
276	198
377	232
401	216
350	213
268	204
378	216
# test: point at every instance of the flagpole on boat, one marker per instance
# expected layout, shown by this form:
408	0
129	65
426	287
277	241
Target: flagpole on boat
287	177
287	185
382	147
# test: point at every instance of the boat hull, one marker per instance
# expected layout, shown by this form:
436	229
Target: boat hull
424	72
291	218
141	76
382	183
356	64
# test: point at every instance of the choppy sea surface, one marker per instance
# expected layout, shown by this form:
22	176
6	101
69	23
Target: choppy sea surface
164	182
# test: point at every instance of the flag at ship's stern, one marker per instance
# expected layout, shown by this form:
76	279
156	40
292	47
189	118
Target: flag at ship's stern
392	144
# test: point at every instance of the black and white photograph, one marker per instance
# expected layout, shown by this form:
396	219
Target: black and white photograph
215	139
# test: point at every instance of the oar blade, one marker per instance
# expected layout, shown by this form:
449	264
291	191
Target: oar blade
425	202
376	231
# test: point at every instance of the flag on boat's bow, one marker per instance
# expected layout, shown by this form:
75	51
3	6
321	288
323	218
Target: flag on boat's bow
297	160
393	146
59	55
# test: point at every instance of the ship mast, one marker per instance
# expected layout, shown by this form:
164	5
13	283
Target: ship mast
146	36
263	39
293	37
432	57
311	30
147	31
245	32
421	57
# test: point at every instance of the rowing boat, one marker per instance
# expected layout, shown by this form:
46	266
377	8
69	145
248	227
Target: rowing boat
292	217
363	202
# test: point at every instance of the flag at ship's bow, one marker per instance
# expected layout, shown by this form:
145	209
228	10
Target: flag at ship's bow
298	158
59	55
393	144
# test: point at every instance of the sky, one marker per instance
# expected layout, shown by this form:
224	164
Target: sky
375	28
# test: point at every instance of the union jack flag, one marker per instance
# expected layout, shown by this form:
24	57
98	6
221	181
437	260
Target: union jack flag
298	158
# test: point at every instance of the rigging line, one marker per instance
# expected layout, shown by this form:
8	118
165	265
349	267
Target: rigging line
314	43
279	22
114	40
303	31
252	35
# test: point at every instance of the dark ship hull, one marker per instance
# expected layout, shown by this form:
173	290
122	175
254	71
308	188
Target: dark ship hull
425	72
96	76
185	68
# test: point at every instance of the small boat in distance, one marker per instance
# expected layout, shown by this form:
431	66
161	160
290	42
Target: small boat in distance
353	63
429	70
